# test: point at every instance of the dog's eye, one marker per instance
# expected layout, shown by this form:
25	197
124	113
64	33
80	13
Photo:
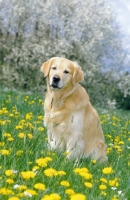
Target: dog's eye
66	72
54	68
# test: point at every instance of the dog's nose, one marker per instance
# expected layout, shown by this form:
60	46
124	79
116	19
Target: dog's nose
56	78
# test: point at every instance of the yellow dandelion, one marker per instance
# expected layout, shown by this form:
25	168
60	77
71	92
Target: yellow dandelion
69	192
19	152
21	135
53	196
28	116
80	170
115	198
13	198
40	117
30	193
5	152
11	115
7	135
41	129
121	142
9	172
65	183
107	170
2	144
50	172
78	196
39	186
88	184
20	187
102	187
42	162
114	182
103	180
5	191
35	168
19	127
9	181
27	175
30	136
61	173
10	139
86	176
93	162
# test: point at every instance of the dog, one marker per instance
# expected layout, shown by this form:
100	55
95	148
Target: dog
72	123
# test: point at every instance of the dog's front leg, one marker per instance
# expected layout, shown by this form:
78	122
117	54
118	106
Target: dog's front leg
75	148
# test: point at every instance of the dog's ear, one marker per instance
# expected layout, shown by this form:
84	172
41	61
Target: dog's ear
78	75
45	68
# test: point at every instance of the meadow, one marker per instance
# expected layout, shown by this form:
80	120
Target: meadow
28	170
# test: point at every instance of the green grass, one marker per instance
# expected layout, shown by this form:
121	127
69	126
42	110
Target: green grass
23	141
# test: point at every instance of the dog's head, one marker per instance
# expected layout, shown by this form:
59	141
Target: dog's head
62	72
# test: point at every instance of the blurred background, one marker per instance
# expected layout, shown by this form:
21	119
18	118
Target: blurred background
94	33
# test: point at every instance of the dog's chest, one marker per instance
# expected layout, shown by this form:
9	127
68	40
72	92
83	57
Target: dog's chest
69	123
77	121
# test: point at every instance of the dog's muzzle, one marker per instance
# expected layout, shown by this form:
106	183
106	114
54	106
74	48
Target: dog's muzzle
55	83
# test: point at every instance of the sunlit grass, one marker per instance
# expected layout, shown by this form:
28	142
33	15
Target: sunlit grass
28	170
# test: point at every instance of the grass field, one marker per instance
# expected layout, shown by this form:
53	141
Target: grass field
28	170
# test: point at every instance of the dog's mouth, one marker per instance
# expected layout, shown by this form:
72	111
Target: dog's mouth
55	86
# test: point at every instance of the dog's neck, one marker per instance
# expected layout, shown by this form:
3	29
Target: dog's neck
62	93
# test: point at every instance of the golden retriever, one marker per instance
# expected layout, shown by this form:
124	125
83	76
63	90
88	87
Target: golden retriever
72	123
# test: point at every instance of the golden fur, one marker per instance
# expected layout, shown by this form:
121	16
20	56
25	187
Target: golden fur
72	123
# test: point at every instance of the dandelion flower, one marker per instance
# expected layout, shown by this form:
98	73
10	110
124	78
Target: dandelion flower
86	175
114	198
14	198
78	197
5	191
65	183
21	135
80	170
20	187
5	152
41	129
10	181
9	172
35	168
51	197
39	186
28	116
69	191
102	187
88	184
50	172
61	173
19	152
42	162
103	180
107	170
19	127
30	193
30	136
10	139
27	175
113	183
93	162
